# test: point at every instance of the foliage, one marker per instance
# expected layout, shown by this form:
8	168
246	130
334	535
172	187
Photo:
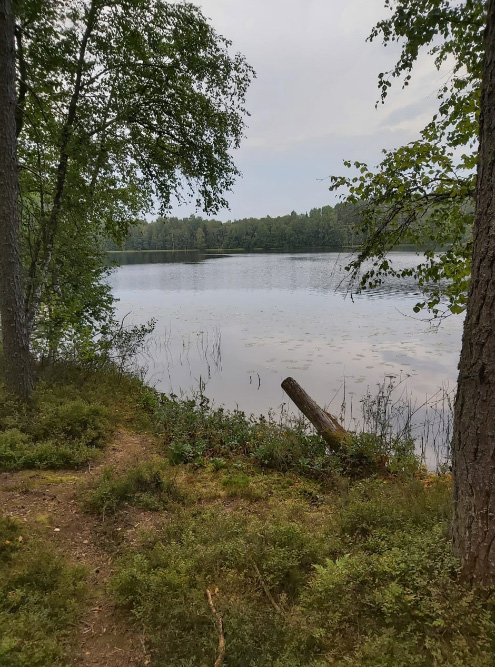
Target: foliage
305	573
373	582
142	485
390	593
326	227
39	600
119	104
53	433
208	548
196	433
424	192
104	343
72	414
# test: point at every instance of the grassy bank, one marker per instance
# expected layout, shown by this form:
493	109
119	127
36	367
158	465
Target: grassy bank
308	559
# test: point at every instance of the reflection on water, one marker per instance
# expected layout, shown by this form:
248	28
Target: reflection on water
241	324
160	257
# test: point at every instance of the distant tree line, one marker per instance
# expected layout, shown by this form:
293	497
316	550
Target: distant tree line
327	227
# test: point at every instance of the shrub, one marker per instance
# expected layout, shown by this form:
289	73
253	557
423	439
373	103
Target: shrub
390	594
143	485
17	451
238	555
65	425
39	600
195	433
74	420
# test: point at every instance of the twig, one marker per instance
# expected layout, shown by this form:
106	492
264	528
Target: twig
221	636
266	589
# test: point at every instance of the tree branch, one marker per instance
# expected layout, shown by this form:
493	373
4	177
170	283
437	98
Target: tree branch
21	99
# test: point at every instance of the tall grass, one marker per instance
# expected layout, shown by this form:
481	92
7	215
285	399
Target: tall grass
392	414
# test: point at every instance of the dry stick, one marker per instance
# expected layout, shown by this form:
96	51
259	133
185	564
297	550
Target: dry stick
221	636
266	589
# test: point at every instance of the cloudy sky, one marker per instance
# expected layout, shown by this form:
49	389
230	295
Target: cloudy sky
312	104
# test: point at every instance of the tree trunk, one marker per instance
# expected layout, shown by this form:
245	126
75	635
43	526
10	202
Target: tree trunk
473	447
17	363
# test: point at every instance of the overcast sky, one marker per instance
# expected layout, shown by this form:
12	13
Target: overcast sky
312	104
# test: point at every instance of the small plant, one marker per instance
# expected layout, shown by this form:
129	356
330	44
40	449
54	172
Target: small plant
196	434
218	463
40	600
143	485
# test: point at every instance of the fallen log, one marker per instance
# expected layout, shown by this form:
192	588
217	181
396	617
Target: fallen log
325	424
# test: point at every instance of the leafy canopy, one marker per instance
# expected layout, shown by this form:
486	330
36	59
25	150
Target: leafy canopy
121	104
423	193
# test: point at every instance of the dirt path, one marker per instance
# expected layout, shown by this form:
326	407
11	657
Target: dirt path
47	499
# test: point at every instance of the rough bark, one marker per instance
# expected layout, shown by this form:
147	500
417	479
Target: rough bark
326	425
17	363
474	422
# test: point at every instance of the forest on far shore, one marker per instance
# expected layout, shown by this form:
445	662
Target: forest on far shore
326	227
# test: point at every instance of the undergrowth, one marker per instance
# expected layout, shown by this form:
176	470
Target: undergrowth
196	433
40	598
69	420
374	583
312	558
143	485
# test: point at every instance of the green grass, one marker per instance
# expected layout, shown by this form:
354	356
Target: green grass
40	598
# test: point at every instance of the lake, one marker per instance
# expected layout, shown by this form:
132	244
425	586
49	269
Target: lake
236	325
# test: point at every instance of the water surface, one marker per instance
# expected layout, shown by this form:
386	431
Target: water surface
237	325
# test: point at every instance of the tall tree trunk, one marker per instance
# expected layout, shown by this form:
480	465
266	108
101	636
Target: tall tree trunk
474	422
18	373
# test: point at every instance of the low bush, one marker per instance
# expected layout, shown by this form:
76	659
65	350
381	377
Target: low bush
144	485
18	451
196	433
241	556
390	595
375	586
40	598
69	420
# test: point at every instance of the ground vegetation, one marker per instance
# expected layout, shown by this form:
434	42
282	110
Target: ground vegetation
308	559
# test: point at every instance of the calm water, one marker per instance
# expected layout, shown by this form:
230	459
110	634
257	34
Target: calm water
239	324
